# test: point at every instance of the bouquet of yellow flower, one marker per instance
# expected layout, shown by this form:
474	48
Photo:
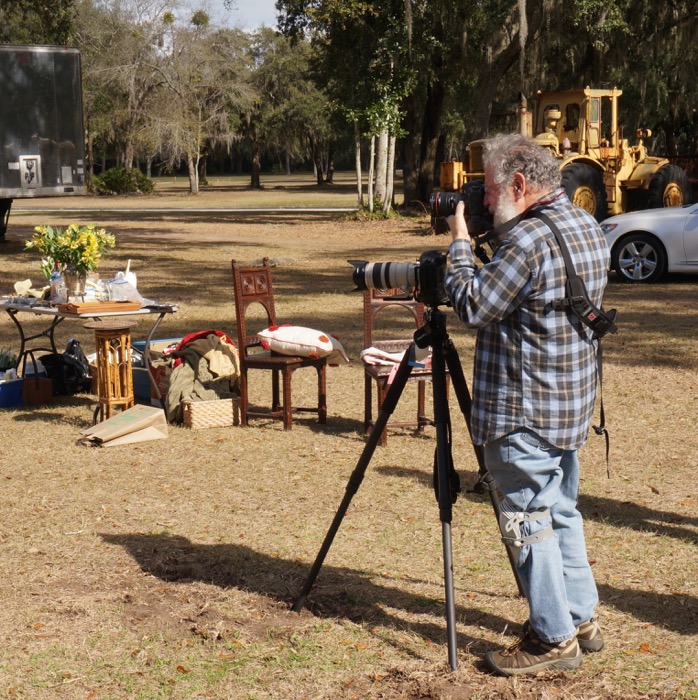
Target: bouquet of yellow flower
79	246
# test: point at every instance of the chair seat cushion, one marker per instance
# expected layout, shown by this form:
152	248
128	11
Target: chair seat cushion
299	341
381	357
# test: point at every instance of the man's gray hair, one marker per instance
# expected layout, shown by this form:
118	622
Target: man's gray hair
507	154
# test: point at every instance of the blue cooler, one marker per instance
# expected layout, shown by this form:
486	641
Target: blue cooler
142	388
11	393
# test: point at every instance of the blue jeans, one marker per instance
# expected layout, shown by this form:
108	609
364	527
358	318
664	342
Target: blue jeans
555	573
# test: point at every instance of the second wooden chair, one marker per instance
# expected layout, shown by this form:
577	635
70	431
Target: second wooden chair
376	301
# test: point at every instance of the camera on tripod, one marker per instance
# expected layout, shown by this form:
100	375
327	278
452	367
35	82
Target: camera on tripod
424	279
479	219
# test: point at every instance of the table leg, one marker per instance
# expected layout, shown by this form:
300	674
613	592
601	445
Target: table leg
48	333
146	356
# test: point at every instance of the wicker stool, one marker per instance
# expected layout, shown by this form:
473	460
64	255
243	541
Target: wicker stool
114	372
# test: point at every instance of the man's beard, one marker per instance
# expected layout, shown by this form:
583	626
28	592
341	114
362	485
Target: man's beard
506	209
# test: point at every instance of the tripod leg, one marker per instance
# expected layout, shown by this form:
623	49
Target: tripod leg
387	408
485	478
445	496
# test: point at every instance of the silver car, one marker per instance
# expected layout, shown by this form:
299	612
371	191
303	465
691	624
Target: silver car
647	244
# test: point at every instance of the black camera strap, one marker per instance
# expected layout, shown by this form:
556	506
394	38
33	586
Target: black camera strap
599	321
577	299
492	238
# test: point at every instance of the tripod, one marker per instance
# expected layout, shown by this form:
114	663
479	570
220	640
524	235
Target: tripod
446	482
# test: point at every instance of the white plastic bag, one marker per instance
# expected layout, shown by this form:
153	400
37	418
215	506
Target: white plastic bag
122	290
129	276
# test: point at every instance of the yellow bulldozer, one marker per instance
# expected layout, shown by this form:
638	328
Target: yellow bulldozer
601	172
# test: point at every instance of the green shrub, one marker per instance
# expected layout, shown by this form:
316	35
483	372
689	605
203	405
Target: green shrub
122	181
363	213
7	359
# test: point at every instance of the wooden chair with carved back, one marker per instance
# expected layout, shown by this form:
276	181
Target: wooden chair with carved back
253	285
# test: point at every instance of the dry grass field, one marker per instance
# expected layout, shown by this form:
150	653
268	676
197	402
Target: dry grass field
168	569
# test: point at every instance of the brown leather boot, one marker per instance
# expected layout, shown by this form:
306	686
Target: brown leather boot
531	654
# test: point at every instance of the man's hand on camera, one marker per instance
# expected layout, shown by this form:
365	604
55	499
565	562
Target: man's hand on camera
456	222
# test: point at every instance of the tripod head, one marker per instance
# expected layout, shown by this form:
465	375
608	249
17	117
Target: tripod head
433	333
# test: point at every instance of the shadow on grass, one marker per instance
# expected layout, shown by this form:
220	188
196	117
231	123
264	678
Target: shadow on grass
636	517
51	413
338	591
338	426
677	612
353	594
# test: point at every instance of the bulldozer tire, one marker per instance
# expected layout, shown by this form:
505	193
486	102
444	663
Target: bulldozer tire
669	187
585	188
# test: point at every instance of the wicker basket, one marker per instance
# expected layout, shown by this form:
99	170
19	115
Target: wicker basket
211	414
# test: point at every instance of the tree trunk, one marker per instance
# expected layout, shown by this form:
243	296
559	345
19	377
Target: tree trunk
129	152
329	176
288	163
390	176
500	64
488	84
372	155
317	161
89	156
357	163
381	165
193	172
203	168
667	126
254	178
431	130
409	154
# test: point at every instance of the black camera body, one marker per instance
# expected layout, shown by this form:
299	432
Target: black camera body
423	279
432	274
479	219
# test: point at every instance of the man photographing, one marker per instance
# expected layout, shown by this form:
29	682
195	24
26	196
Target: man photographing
534	389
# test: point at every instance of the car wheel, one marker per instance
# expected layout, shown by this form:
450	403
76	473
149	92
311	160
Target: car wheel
639	258
669	187
585	188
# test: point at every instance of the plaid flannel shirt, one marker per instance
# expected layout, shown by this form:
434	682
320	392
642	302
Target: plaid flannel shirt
535	367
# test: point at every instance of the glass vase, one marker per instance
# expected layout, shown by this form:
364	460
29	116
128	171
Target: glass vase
74	281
